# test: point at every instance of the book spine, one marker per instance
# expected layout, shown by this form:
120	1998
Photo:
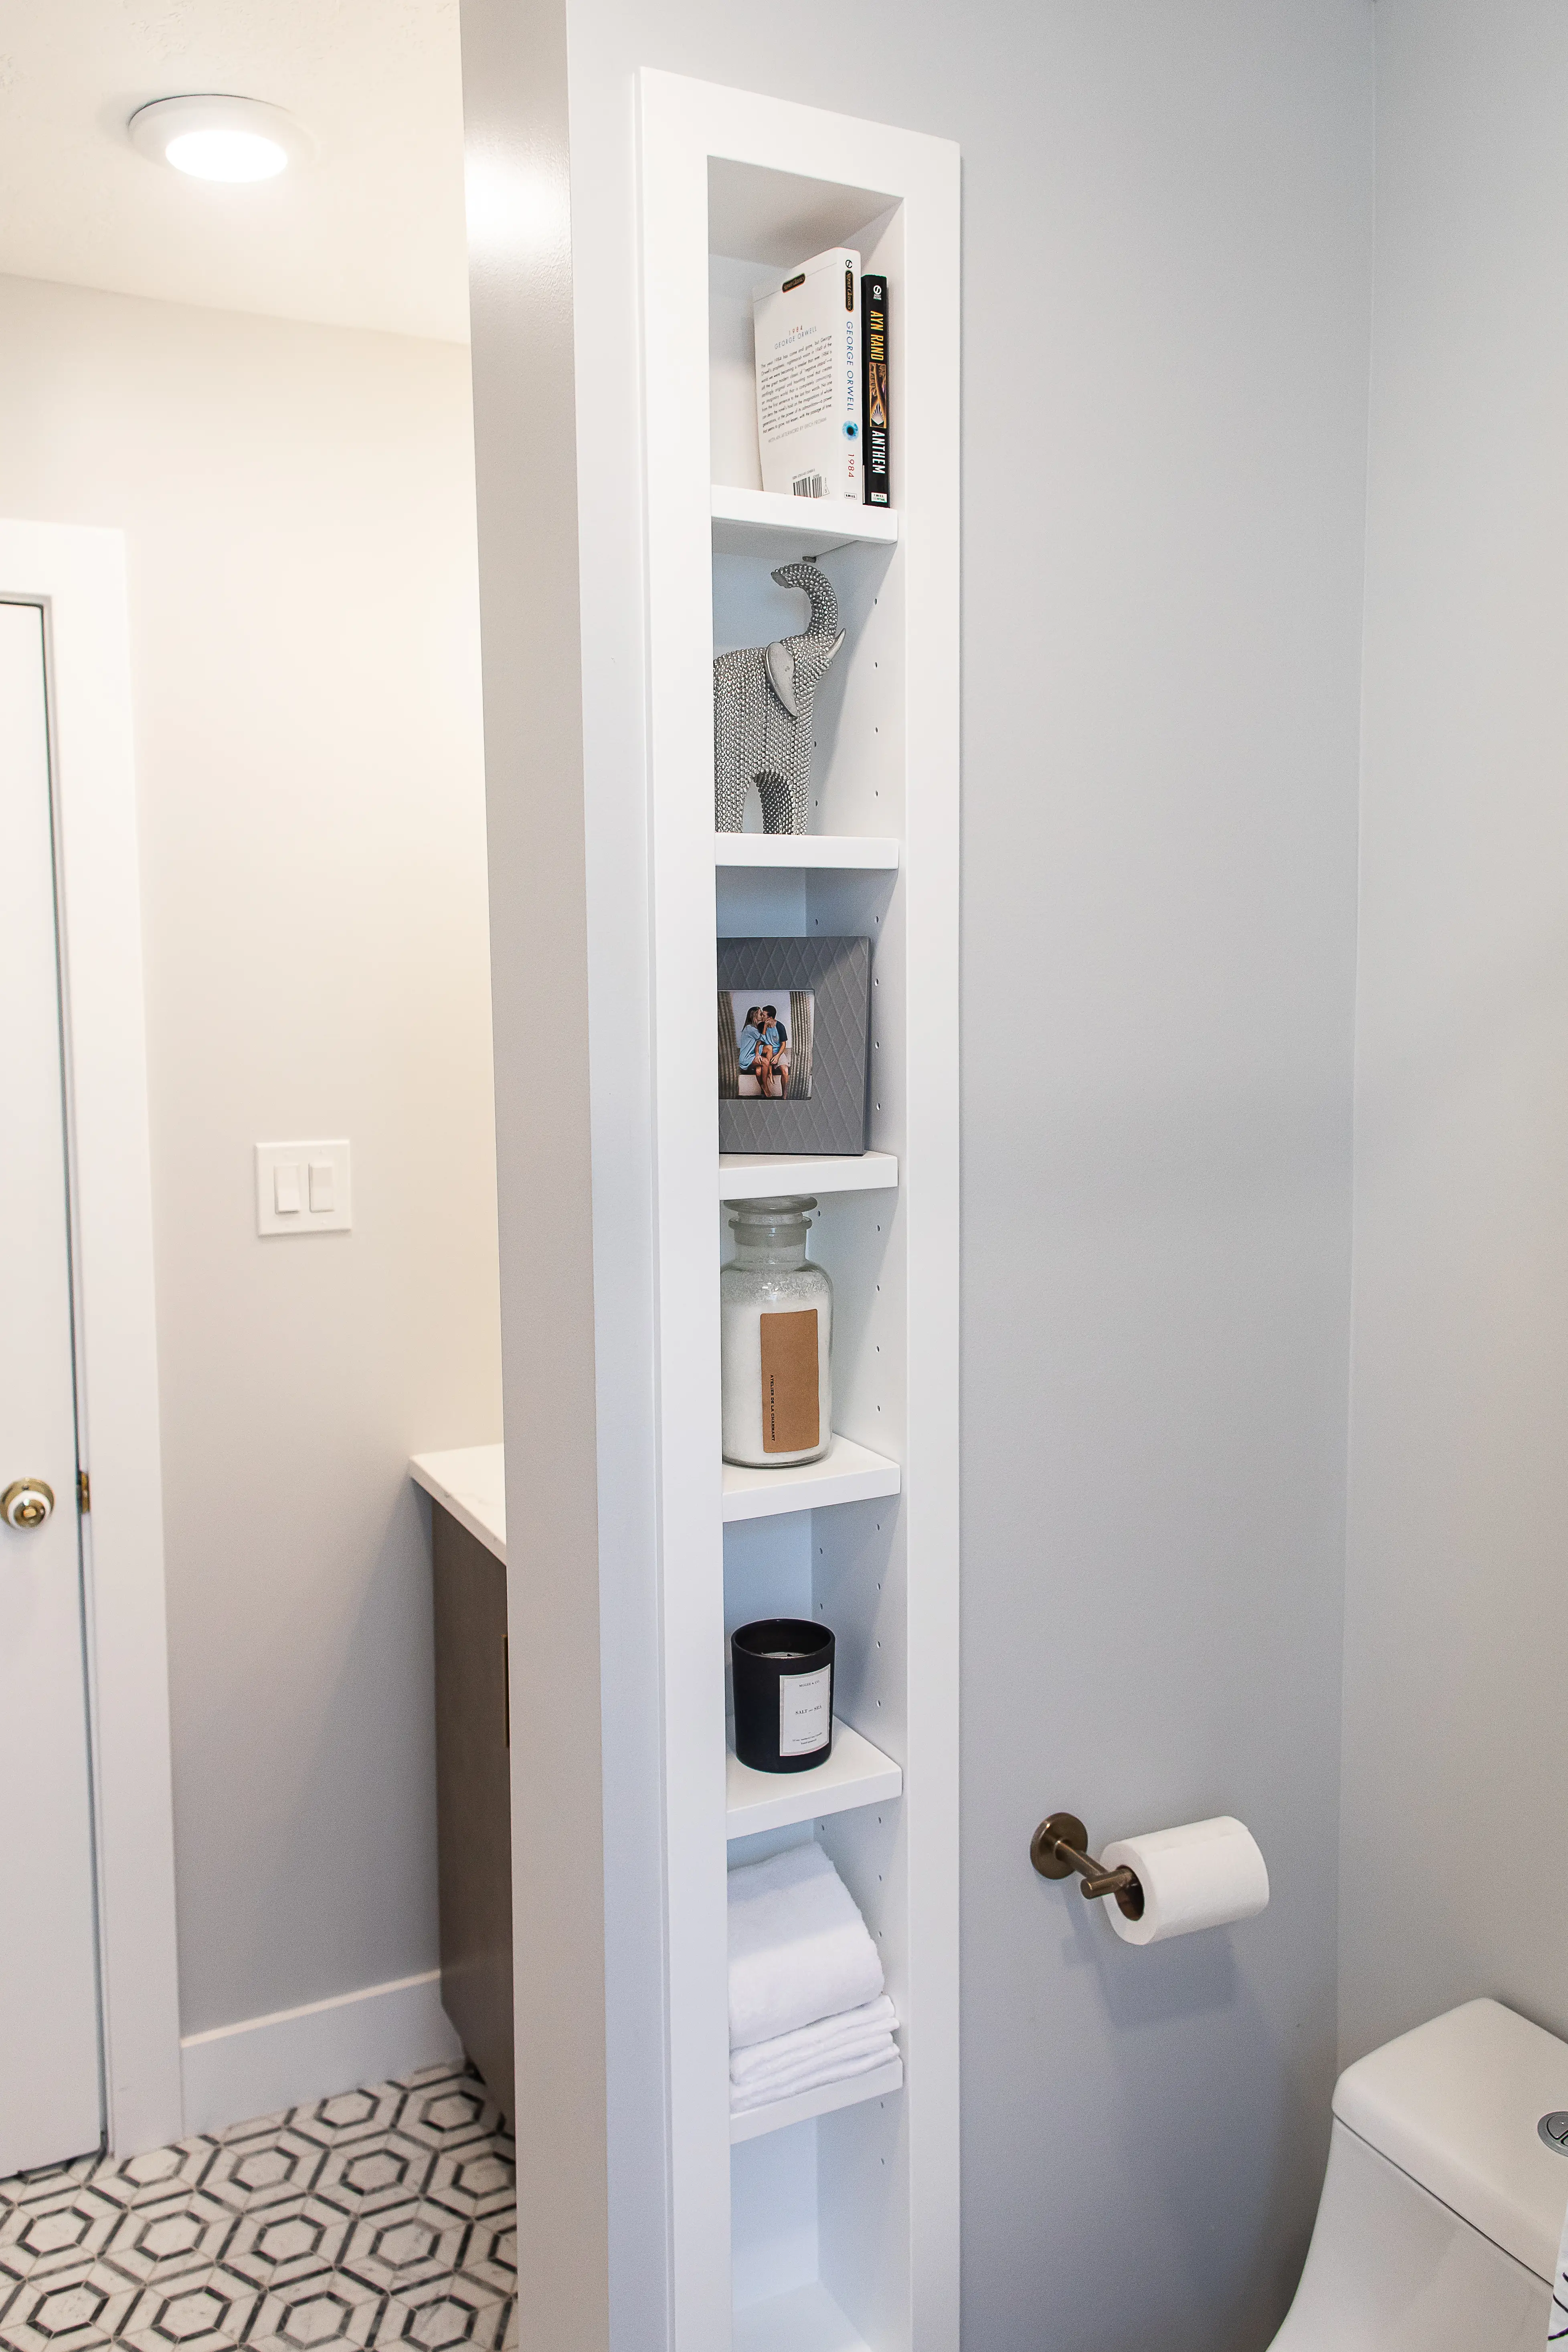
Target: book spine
854	473
874	408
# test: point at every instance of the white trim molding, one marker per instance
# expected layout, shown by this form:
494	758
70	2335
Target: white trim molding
78	576
263	2064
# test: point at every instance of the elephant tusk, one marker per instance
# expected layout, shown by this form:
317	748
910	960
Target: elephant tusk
780	662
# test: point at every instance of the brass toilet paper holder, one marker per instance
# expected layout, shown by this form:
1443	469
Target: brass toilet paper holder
1058	1847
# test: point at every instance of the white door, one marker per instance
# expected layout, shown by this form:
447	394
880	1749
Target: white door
50	2100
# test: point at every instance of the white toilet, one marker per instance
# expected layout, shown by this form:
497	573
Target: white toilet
1439	2221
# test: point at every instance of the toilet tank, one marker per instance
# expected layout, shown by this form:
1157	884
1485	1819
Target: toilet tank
1441	2210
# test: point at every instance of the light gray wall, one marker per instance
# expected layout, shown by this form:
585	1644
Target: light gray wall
1167	290
1456	1599
298	505
1172	209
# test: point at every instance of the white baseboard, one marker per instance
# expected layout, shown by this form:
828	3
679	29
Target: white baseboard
265	2063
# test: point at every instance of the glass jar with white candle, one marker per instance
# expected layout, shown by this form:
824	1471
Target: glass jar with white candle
775	1323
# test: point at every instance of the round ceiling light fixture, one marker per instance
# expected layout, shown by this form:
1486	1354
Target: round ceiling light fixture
216	138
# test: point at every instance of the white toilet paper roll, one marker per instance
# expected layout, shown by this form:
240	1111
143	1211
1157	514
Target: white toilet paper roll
1204	1874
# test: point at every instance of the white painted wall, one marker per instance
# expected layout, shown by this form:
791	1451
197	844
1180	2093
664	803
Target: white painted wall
575	1535
1456	1612
298	503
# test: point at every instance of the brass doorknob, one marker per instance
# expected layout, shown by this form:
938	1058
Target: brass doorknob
26	1503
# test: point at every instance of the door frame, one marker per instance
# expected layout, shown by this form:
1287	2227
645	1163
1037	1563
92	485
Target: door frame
78	576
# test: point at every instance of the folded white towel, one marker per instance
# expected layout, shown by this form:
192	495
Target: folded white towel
872	2050
814	2076
842	2070
857	2034
836	2050
798	1947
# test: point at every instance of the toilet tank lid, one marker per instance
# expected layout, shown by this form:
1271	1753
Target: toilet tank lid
1456	2105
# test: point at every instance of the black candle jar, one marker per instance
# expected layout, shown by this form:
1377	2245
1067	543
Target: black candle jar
784	1694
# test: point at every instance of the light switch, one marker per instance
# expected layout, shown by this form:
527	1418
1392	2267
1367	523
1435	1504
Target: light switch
302	1188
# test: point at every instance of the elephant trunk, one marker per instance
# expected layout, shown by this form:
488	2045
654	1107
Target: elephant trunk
818	586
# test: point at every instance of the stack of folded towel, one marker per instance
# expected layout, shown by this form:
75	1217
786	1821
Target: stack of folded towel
806	2003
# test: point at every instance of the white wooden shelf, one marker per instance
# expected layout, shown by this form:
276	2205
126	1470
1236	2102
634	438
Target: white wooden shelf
855	1774
782	2113
802	2320
767	522
816	851
846	1473
758	1175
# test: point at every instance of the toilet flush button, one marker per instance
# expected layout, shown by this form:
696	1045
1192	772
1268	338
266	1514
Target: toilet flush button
1553	2130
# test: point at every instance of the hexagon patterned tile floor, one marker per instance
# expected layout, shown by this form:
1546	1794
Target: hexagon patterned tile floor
383	2217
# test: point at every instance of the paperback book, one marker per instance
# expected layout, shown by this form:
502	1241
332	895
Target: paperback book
874	408
808	378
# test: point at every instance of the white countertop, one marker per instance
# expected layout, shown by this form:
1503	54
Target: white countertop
469	1481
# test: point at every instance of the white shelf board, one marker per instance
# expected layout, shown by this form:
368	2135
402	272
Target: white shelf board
816	852
758	1175
846	1473
855	1774
802	2320
769	522
469	1481
781	2113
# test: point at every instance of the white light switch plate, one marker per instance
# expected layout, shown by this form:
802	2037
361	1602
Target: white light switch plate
302	1172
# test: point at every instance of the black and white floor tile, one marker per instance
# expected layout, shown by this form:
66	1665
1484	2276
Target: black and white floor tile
383	2217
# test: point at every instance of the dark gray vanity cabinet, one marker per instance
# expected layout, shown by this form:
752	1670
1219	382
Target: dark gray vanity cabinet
473	1801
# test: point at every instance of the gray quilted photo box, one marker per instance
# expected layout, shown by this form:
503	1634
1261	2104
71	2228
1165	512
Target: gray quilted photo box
793	1024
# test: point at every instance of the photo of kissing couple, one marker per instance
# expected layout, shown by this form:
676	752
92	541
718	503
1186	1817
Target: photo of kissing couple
765	1043
764	1051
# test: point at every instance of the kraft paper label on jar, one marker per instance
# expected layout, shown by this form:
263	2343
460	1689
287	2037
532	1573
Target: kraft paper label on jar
790	1416
804	1718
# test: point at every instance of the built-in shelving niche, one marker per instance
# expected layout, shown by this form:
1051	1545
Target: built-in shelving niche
843	2225
819	2201
818	2205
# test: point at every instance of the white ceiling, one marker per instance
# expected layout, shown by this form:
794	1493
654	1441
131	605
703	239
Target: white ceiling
371	234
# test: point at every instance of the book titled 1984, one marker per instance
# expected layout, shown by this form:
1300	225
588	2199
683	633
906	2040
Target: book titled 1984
874	410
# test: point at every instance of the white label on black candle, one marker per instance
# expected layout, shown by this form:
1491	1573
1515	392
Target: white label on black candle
805	1724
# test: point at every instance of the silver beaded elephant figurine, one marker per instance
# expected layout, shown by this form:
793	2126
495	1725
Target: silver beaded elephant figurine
762	712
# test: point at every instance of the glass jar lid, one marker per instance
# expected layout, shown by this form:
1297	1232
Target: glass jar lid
787	1217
